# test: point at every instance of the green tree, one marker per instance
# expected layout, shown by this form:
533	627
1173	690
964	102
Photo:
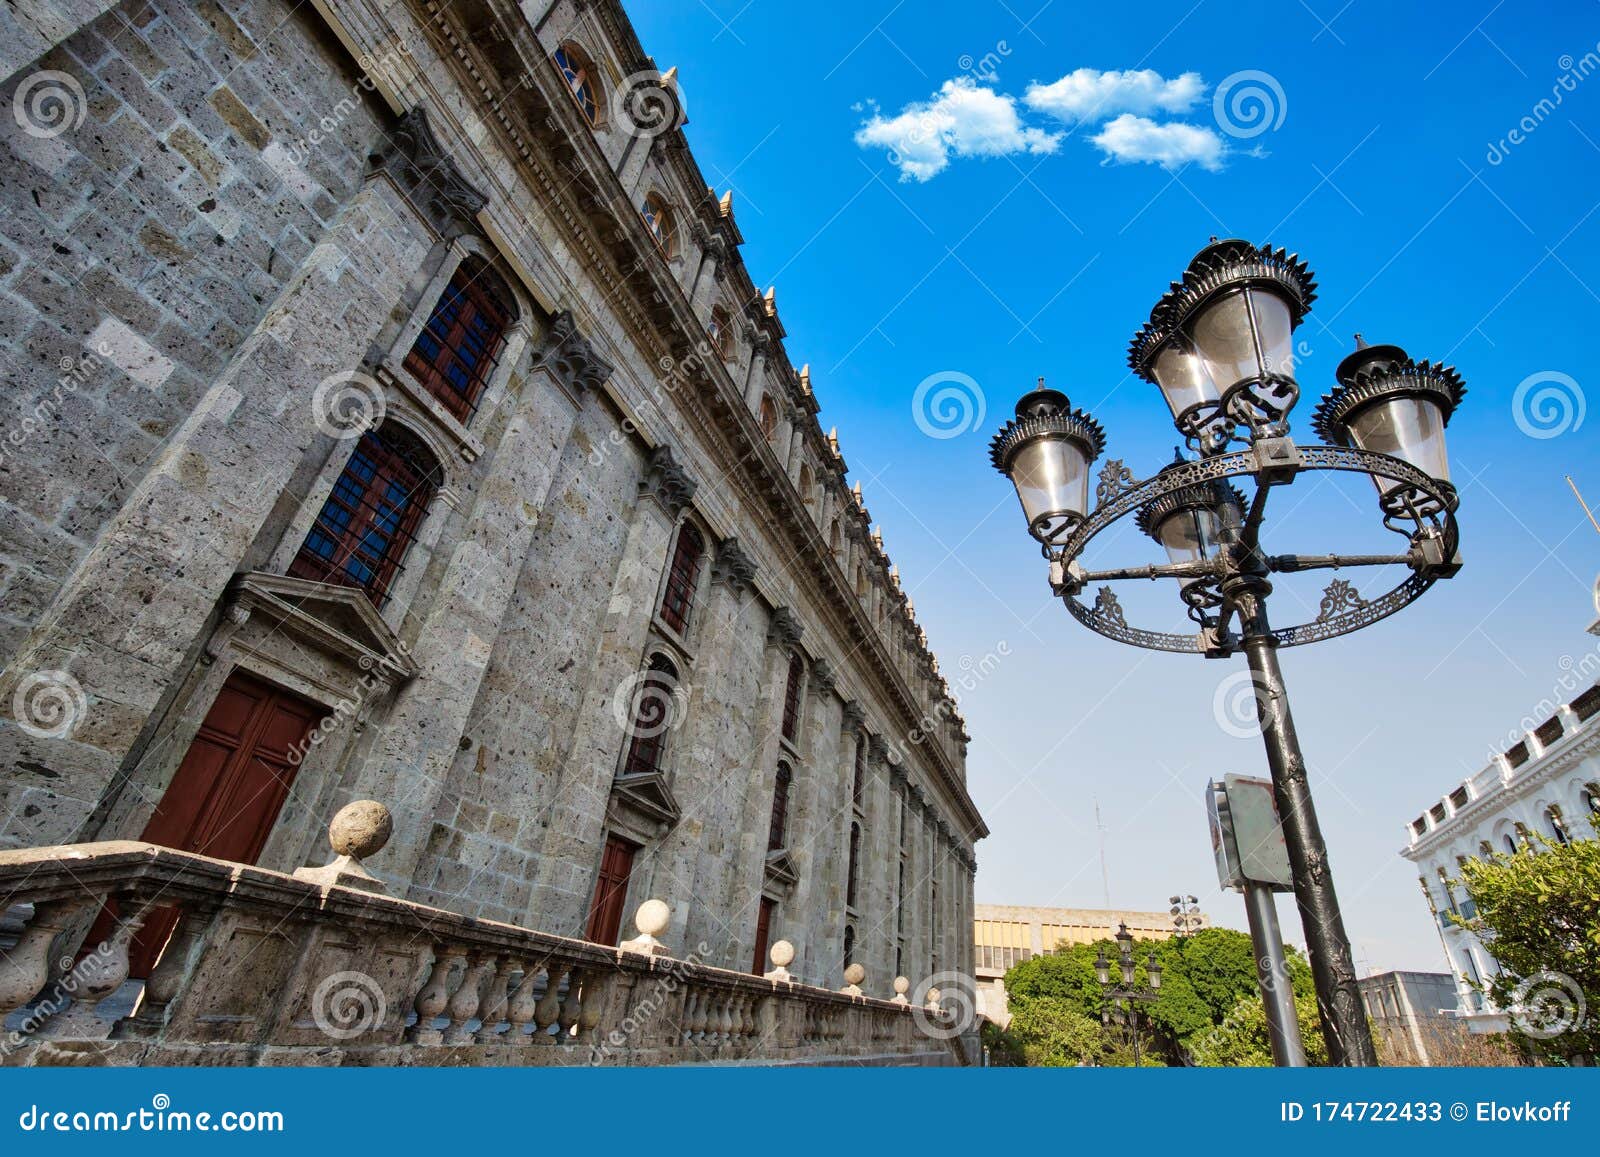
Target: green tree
1242	1039
1056	1033
1540	916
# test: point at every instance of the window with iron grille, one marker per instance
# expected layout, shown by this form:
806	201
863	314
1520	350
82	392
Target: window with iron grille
778	832
791	699
858	787
654	708
681	575
579	75
370	519
454	355
855	859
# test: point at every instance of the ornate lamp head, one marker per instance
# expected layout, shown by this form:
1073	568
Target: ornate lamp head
1046	451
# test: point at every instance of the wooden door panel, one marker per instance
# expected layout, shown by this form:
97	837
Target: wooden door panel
610	891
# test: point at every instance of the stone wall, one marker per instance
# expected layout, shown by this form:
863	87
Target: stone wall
257	210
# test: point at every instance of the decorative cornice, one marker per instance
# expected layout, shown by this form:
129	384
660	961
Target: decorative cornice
784	629
667	482
855	715
733	566
822	678
411	154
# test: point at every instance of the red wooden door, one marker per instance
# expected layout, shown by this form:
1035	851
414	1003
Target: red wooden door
763	933
610	891
227	792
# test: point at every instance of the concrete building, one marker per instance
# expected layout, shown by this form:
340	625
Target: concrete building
1547	781
1414	1014
1005	935
396	418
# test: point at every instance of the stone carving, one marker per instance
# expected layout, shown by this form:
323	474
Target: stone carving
822	677
854	974
413	156
855	715
733	566
570	357
784	630
667	482
782	955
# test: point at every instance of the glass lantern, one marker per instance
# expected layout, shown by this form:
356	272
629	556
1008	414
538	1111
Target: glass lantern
1046	451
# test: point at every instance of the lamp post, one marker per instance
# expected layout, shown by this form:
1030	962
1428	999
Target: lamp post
1122	1001
1187	918
1220	349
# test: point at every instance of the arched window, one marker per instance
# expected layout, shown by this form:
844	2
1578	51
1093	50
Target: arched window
849	945
769	419
855	860
658	219
655	709
454	355
835	539
678	598
1590	795
581	80
859	784
791	698
1558	825
779	831
720	330
1511	845
367	525
806	483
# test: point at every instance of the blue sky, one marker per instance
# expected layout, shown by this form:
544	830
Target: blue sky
1044	256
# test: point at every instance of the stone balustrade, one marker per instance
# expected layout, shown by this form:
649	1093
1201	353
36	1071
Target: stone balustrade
264	967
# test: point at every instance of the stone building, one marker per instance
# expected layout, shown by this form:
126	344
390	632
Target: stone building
1414	1015
1004	935
390	414
1545	781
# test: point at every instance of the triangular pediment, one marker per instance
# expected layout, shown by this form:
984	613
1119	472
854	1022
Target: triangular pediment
781	869
647	793
338	619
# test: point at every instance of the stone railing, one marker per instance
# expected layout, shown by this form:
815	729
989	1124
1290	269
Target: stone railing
320	968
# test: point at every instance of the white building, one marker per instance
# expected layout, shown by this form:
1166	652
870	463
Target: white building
1547	781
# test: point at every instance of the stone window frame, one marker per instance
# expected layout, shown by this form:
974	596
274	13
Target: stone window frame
580	58
663	226
665	750
684	641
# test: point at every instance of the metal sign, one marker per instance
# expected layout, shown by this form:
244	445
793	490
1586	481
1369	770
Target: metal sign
1246	837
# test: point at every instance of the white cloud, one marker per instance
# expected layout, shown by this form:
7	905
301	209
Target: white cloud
1132	138
1087	94
963	118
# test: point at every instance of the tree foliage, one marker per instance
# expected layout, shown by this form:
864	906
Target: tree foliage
1540	917
1056	1001
1242	1039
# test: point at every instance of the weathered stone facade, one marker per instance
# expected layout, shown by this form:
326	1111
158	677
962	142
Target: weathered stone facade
244	213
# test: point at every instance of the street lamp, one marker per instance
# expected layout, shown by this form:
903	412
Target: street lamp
1122	1001
1187	918
1219	347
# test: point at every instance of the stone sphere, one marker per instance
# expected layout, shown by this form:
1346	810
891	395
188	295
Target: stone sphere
653	917
360	829
782	954
854	974
902	985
